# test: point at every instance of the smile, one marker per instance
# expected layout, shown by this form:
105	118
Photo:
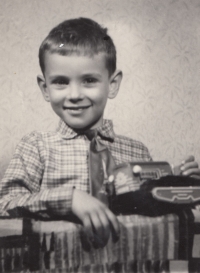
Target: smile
76	108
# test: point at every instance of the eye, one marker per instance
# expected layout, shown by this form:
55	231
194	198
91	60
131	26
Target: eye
90	80
60	81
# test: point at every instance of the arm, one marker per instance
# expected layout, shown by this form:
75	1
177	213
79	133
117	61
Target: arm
20	189
21	193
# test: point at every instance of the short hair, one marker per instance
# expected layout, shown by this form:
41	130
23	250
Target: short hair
81	36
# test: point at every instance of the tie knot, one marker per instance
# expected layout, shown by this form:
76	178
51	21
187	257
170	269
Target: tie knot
95	144
91	134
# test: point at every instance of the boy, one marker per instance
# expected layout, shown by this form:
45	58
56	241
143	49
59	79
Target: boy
48	175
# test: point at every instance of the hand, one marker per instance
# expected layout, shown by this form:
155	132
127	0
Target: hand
188	167
97	219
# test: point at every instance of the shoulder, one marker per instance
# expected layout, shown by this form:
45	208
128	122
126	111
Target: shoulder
35	140
127	141
136	149
36	136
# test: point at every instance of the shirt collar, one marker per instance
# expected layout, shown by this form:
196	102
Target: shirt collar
105	131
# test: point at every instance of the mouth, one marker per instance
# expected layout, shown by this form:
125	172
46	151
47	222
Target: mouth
76	109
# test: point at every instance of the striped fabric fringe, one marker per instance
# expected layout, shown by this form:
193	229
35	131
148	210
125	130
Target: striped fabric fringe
146	244
141	239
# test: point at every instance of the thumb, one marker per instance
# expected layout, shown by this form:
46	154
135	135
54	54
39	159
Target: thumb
190	158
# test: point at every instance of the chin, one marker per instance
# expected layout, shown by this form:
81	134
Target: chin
79	127
84	127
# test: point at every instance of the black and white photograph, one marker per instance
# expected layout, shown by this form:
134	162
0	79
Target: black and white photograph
100	136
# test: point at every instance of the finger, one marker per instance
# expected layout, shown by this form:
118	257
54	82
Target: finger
188	159
85	242
98	230
114	224
196	176
191	171
189	165
88	228
105	223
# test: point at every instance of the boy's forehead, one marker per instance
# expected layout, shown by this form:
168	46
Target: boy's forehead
97	61
78	54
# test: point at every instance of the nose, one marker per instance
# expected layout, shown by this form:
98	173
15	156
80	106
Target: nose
74	92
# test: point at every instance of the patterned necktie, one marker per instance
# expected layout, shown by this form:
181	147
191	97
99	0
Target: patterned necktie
101	165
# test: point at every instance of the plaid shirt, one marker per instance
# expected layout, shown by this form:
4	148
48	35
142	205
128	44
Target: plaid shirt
46	167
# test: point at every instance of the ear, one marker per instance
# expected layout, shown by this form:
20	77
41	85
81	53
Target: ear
42	84
115	82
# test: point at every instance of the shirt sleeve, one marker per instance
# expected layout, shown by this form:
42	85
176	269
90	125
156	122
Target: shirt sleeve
20	189
140	152
146	155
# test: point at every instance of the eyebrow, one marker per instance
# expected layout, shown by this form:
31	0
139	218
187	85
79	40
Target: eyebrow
87	75
58	77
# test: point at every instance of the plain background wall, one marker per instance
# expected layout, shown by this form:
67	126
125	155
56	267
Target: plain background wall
158	44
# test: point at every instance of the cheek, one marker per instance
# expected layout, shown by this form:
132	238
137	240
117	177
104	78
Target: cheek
56	97
100	97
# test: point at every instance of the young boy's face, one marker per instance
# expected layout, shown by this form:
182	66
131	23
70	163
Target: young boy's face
77	88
